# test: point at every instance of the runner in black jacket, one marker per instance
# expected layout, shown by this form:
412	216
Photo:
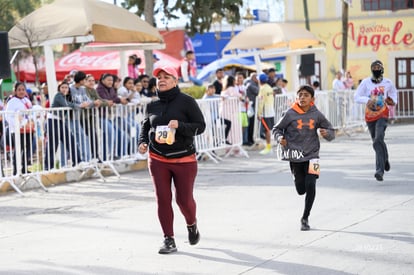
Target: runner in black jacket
168	131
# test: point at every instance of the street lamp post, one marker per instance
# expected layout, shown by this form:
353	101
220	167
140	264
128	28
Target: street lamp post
217	20
217	23
249	17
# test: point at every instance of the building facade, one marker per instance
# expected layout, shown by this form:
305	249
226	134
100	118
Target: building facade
376	34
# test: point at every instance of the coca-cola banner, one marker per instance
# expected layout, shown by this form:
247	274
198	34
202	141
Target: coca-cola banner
95	63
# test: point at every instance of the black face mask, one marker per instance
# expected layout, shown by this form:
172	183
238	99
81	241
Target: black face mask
377	73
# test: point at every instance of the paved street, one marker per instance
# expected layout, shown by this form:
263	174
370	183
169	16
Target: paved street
248	214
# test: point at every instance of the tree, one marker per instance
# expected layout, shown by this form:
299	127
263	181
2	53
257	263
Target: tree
30	36
11	11
198	12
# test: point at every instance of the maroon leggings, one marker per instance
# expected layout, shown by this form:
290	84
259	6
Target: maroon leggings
183	175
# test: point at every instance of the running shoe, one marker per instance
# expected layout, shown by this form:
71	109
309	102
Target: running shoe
265	151
379	177
387	166
193	234
304	225
168	246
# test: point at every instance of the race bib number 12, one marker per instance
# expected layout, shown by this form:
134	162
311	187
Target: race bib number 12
314	167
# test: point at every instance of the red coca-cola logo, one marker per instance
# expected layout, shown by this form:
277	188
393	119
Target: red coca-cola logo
78	59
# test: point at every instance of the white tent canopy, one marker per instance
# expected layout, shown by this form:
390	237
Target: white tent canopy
68	21
266	40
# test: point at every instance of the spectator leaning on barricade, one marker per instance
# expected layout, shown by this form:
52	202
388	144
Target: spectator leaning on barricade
138	86
266	111
114	129
147	91
252	91
349	81
128	91
152	87
82	125
58	129
103	108
168	132
218	82
117	82
69	78
16	106
132	127
132	66
2	107
188	70
215	114
44	96
337	83
229	91
243	106
271	77
284	86
122	120
316	85
277	89
142	98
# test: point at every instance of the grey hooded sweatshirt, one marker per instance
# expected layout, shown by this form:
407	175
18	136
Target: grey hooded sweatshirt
299	128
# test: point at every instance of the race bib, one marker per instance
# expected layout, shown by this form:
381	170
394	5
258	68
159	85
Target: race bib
314	167
164	134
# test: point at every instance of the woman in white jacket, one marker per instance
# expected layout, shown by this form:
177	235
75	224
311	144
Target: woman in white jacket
20	124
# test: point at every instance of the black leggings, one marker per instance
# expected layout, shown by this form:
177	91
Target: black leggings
304	183
25	147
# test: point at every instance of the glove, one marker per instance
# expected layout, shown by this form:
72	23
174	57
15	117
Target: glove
389	101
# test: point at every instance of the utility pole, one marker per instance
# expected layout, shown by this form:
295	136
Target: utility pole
345	6
305	11
149	18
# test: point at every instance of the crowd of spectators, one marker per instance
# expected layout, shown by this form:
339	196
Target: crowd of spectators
83	109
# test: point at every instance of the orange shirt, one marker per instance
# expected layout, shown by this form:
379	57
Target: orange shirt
185	159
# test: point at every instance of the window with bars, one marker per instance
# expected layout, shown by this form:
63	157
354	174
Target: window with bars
374	5
404	73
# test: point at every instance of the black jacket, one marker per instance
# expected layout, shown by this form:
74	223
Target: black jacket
173	105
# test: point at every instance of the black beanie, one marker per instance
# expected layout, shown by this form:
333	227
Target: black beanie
79	76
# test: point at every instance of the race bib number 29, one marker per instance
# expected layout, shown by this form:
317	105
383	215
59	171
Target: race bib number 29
164	134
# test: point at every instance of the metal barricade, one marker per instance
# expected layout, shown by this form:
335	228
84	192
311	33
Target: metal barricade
40	141
405	106
21	155
223	128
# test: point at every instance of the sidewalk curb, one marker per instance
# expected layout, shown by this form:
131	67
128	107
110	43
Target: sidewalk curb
55	178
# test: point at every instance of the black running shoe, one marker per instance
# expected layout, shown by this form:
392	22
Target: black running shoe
193	234
379	177
304	225
168	246
387	166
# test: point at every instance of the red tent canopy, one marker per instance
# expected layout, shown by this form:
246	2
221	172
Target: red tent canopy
95	63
